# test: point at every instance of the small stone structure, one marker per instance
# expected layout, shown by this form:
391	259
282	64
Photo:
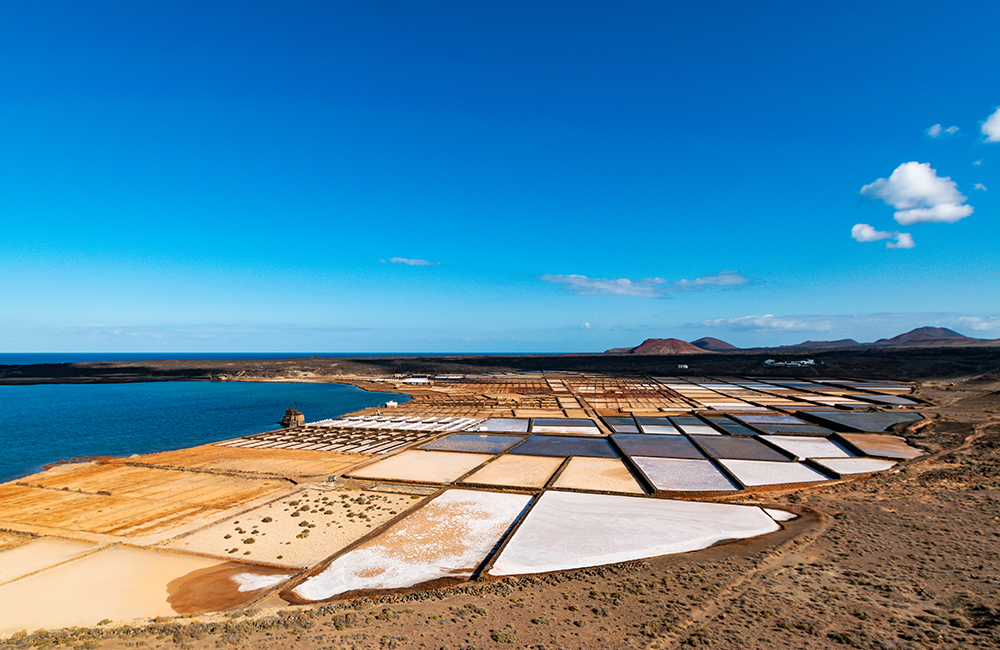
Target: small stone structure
293	419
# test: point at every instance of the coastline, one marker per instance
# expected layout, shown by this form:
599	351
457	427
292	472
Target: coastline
906	364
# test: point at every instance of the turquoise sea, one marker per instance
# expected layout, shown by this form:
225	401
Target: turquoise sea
47	423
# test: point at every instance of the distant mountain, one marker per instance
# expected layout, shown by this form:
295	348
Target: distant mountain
926	337
923	336
660	346
822	345
713	345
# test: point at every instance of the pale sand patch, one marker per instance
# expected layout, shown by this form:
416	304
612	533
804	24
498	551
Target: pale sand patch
517	471
423	466
40	554
598	474
569	530
302	528
119	584
447	539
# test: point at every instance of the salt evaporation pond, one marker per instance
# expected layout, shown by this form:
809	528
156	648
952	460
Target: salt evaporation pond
446	539
568	530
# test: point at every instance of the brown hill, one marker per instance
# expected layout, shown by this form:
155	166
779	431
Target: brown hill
813	345
660	346
925	336
713	344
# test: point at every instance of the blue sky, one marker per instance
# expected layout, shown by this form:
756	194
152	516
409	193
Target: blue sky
527	176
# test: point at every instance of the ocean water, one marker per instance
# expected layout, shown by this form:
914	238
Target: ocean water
26	358
47	423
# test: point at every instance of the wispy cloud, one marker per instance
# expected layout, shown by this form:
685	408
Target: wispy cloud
981	323
723	279
771	322
862	232
920	195
858	326
643	288
409	262
647	288
979	186
936	130
991	127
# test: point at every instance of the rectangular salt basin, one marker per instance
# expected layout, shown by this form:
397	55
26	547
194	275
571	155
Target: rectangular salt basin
683	474
892	400
477	442
599	475
809	447
745	448
734	429
864	421
660	430
699	430
579	431
511	425
755	473
40	554
775	418
560	446
845	466
119	583
517	471
568	530
446	539
659	446
338	518
423	466
562	422
791	429
653	421
881	445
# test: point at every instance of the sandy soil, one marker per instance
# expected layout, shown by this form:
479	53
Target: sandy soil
300	529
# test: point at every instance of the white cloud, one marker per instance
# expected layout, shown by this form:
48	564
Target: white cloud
981	323
920	195
723	279
858	326
979	186
647	288
771	322
903	240
936	130
862	232
977	162
644	288
409	262
991	127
